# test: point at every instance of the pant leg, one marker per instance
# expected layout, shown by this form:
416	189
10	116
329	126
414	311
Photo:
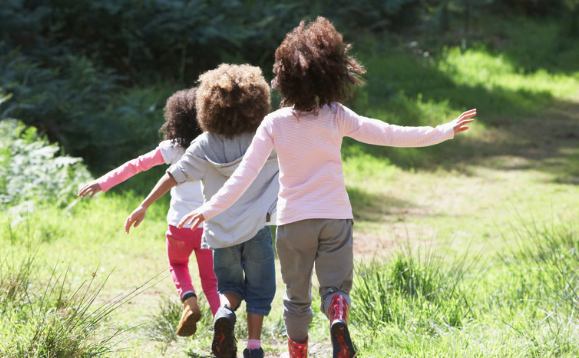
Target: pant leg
259	267
207	276
180	244
335	260
297	245
229	271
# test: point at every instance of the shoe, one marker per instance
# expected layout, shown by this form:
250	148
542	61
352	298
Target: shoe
253	353
341	342
295	349
224	343
191	315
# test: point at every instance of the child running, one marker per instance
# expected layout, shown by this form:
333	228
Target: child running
313	74
179	130
232	101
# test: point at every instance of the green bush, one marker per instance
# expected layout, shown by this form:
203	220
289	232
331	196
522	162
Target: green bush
83	108
160	39
32	172
68	63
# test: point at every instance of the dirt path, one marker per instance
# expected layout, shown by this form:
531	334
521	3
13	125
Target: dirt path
517	167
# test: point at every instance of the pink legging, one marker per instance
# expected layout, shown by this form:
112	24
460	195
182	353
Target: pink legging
180	244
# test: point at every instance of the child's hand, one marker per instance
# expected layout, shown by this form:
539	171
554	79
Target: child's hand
194	218
93	187
459	123
136	217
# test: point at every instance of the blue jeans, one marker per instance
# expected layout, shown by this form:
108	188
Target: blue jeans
255	259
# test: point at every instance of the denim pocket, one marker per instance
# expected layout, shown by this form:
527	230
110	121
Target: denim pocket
259	249
226	257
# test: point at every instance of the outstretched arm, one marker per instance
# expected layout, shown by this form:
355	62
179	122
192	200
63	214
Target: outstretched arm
163	186
460	124
122	173
374	131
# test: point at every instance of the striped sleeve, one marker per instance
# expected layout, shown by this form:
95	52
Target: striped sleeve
373	131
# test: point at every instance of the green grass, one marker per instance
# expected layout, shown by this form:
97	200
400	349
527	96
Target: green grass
465	249
521	302
44	314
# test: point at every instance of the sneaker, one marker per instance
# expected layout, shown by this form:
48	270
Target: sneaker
224	343
253	353
191	315
341	342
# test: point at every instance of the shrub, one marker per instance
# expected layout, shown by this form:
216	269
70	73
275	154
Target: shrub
30	171
82	107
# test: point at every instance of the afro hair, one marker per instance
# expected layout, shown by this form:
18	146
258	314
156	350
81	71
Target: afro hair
181	118
232	99
312	66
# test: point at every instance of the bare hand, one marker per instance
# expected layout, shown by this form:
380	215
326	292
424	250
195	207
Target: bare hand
91	188
136	217
194	218
459	123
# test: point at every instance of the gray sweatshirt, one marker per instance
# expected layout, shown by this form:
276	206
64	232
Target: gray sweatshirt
212	158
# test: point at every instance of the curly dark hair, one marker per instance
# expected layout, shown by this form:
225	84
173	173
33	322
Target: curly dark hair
232	99
181	118
312	66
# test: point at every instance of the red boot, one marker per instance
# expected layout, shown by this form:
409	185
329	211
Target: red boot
295	349
341	342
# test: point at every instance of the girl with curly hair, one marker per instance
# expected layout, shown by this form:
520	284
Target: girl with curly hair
313	74
179	129
232	101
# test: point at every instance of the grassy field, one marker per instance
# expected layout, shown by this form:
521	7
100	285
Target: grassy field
466	249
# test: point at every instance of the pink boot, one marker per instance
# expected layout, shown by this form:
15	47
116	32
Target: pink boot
295	349
341	342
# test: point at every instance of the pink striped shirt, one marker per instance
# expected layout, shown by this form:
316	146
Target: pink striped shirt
310	164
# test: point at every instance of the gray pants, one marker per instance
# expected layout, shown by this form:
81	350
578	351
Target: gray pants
329	244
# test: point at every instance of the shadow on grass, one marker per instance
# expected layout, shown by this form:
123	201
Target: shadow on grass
547	142
533	129
372	207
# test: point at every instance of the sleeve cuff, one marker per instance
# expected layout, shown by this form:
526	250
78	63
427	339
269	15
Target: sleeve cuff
103	185
207	212
177	174
449	131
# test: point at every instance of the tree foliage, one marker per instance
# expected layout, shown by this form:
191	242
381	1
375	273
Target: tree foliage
93	75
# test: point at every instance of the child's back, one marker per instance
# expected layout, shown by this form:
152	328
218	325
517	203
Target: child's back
212	158
232	102
308	146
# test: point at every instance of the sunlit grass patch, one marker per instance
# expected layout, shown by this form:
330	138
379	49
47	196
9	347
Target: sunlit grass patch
479	67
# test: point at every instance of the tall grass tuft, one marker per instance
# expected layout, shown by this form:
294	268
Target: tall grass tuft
51	318
413	289
162	326
549	254
15	277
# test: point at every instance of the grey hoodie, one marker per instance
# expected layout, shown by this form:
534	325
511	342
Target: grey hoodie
212	158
